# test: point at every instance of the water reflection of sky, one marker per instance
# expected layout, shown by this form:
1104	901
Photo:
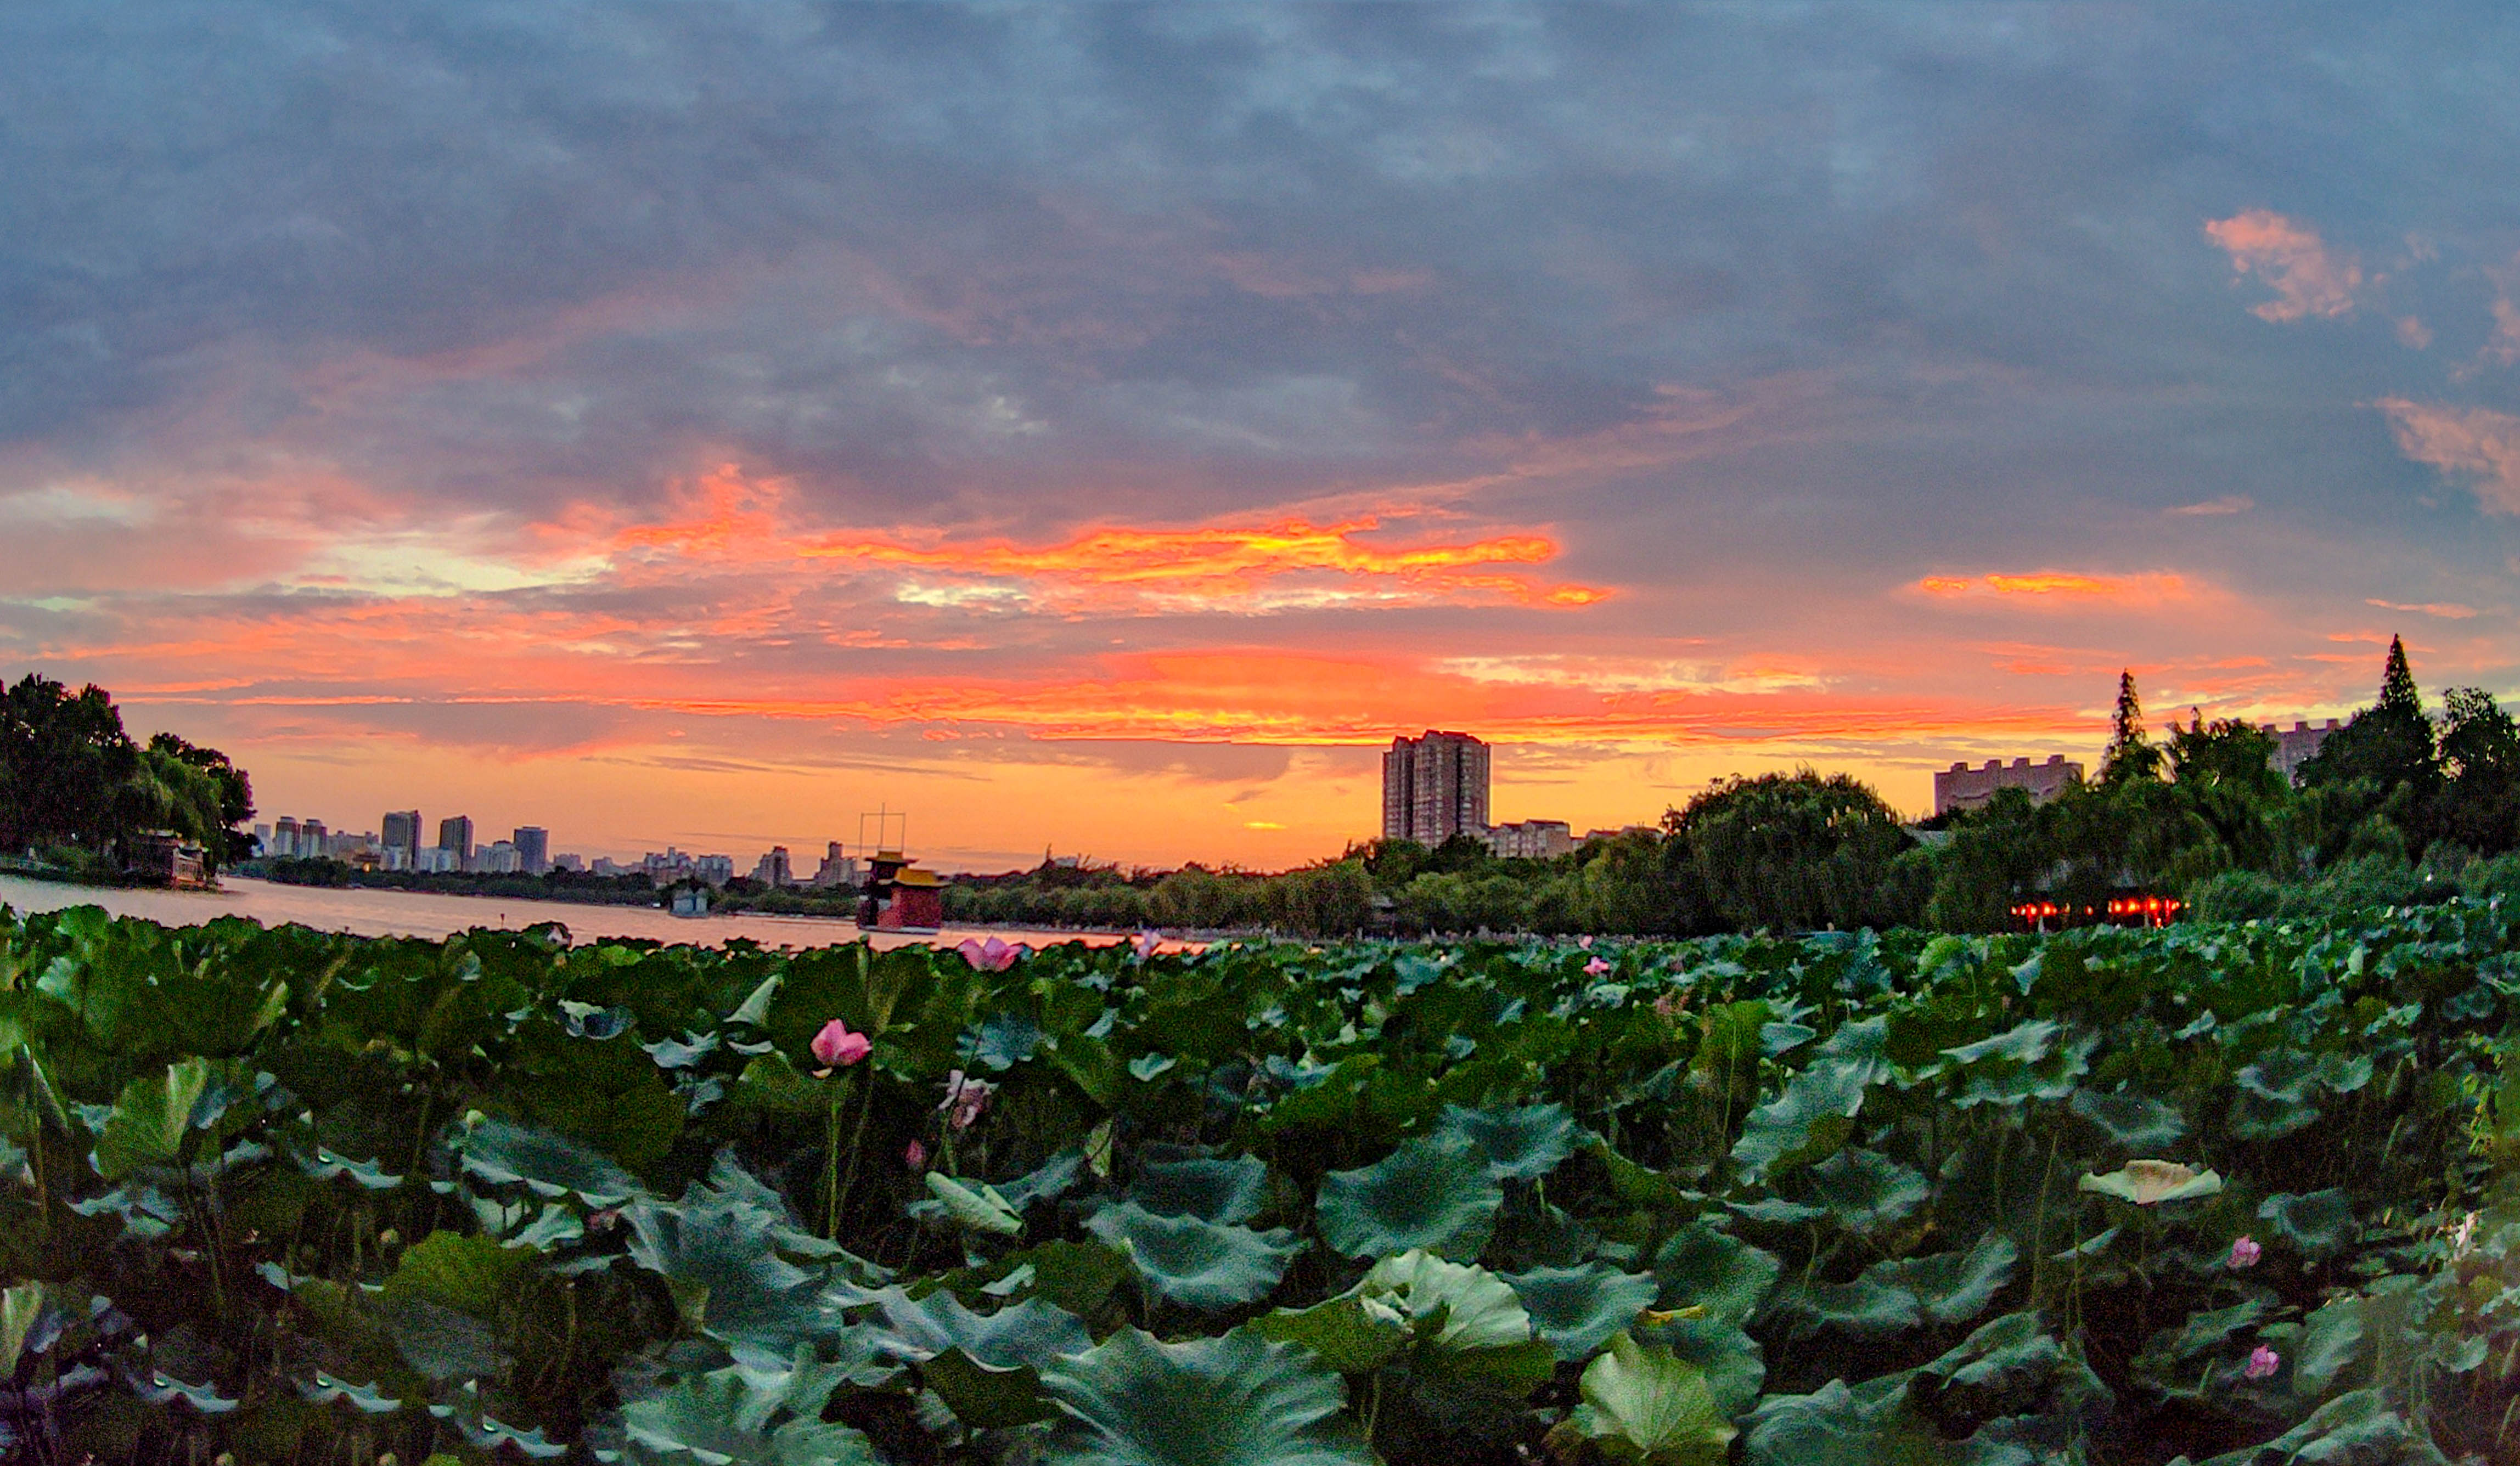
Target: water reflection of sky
406	913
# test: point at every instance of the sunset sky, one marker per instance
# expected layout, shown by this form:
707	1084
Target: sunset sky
1103	427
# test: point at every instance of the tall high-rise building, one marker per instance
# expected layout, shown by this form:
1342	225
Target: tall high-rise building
533	849
283	838
401	832
837	868
456	834
774	870
1435	788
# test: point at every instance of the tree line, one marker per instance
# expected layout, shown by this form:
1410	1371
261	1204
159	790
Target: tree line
77	790
2400	806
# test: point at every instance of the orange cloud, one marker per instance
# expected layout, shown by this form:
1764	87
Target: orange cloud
2060	586
2471	440
2290	257
1231	568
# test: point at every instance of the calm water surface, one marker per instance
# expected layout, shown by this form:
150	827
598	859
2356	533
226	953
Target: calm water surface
416	914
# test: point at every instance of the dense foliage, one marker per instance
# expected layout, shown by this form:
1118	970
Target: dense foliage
2226	1193
74	787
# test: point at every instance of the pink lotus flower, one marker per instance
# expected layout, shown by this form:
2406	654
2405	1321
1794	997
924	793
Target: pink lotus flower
2245	1253
1584	941
837	1047
991	955
1143	943
966	1099
915	1156
2263	1362
1596	967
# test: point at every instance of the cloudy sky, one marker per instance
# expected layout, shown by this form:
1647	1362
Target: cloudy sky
1101	426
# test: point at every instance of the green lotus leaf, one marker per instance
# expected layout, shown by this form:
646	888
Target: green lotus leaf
1954	1287
2151	1182
162	1388
1811	1118
2053	1076
1520	1143
2276	1096
1733	1364
1198	1263
717	1419
504	1153
1701	1267
2332	1338
1470	1306
150	1119
2001	1369
730	1186
727	1280
1047	1181
1866	1191
2024	1043
20	1307
1222	1190
1640	1405
465	1411
2317	1225
1235	1400
1434	1193
2202	1333
471	1274
2355	1427
367	1399
1350	1333
1577	1308
1148	1067
986	1399
982	1208
1075	1276
369	1174
1030	1332
1006	1041
1866	1425
1874	1304
2132	1121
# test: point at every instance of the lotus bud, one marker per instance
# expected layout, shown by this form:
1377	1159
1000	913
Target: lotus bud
915	1156
836	1047
2263	1362
2245	1253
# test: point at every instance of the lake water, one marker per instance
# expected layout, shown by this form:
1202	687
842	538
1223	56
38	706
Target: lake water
416	914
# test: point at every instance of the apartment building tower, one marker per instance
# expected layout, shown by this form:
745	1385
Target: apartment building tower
1434	788
533	849
456	834
401	832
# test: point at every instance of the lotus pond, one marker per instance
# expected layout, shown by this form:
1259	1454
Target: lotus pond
2223	1194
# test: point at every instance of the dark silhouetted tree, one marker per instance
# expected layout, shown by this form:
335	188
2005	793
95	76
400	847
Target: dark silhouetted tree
2388	743
2129	754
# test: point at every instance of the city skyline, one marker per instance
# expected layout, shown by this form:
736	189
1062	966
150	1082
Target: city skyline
1111	426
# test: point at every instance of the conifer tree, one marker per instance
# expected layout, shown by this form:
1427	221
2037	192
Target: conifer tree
2129	755
2398	694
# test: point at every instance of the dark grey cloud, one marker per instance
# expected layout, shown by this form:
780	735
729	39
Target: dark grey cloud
1027	265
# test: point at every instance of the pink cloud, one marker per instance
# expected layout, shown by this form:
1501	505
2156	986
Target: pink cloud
2306	279
2229	503
2473	440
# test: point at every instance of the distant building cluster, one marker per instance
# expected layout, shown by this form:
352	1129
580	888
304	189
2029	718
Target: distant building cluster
397	846
1435	786
1962	788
